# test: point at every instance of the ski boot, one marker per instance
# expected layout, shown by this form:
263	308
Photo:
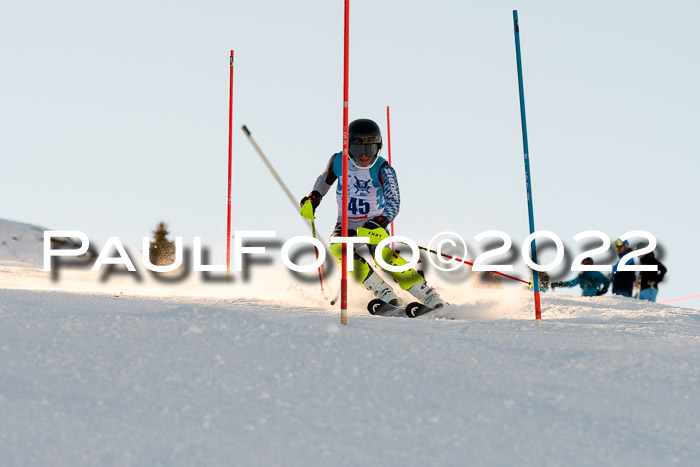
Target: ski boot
427	295
381	289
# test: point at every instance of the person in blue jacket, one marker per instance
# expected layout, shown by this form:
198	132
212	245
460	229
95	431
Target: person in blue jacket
623	281
592	283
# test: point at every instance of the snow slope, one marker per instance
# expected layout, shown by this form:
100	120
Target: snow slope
87	378
21	243
129	372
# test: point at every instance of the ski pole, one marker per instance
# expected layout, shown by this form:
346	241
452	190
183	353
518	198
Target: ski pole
310	224
320	268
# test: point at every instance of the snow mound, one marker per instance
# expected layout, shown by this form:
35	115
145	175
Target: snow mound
23	244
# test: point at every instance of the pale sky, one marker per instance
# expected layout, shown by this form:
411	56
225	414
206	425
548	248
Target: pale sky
115	116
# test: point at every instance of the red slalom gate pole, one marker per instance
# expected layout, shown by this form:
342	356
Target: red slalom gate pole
472	264
445	255
230	159
388	140
344	223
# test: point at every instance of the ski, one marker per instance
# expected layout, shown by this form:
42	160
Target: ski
416	309
379	308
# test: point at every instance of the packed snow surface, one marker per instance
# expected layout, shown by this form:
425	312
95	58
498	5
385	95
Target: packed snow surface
127	372
125	380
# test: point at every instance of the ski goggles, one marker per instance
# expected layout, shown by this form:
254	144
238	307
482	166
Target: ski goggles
356	150
619	243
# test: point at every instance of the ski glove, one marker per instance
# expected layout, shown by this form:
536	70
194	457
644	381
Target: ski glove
314	197
556	284
602	291
376	222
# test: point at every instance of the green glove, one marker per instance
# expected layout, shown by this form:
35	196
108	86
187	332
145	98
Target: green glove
309	204
307	210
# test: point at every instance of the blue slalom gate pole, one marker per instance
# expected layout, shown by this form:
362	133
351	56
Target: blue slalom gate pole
528	182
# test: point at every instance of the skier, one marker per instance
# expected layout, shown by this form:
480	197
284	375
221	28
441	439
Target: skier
650	279
373	203
623	281
592	283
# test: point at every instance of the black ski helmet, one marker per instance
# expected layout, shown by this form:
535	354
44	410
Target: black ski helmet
364	132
